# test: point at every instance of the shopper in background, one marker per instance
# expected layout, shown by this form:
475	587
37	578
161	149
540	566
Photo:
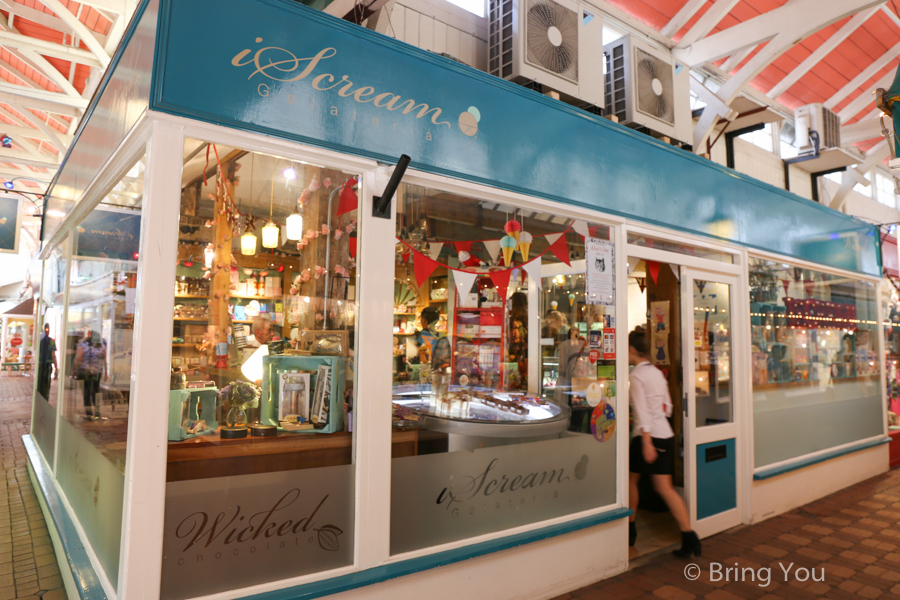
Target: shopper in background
90	368
47	363
653	445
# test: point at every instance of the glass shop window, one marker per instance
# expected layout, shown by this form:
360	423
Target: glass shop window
94	355
670	246
891	325
262	382
884	189
50	334
504	393
815	365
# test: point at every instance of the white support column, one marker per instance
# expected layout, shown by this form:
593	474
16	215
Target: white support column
372	405
140	562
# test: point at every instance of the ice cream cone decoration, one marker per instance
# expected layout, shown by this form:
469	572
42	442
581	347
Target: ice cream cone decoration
513	228
508	244
571	299
525	240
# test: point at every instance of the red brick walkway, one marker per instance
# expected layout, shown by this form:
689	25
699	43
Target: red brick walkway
853	536
28	566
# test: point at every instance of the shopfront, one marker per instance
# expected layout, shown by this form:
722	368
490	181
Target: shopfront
279	391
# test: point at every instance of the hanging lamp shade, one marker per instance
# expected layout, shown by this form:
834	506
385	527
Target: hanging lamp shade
248	244
208	255
294	225
270	235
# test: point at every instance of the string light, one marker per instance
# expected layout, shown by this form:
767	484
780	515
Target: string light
270	231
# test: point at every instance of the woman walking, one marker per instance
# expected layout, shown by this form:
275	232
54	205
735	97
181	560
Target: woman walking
653	445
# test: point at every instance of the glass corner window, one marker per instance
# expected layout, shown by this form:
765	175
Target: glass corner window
814	360
262	371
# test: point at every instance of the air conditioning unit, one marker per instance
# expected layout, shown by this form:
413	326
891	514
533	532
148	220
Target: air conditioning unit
645	88
816	128
555	43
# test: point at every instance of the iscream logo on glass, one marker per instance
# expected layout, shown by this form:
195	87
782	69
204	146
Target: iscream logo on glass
282	65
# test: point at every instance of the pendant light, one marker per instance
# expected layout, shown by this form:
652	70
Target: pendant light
209	254
294	222
248	240
270	232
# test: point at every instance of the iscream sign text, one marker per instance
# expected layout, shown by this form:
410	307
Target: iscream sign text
279	64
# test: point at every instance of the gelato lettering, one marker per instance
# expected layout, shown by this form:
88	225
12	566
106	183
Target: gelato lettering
199	529
283	65
487	484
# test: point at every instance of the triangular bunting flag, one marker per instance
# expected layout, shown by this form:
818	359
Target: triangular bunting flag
560	249
463	281
349	200
353	240
462	246
493	248
652	269
809	285
786	283
581	228
434	249
632	265
533	268
551	238
501	281
424	267
675	271
642	283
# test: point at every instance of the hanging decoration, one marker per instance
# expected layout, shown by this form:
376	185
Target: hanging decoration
434	249
493	249
581	228
508	245
501	281
209	254
464	281
525	240
424	267
512	228
349	201
559	247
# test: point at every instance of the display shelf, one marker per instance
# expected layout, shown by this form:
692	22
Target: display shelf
201	320
183	345
191	296
231	296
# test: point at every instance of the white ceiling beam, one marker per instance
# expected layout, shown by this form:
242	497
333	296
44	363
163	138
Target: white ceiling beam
53	99
707	22
80	29
17	131
10	155
681	18
41	18
24	42
886	9
795	20
863	76
784	27
52	135
821	52
865	129
866	98
875	155
37	62
26	173
120	7
735	59
115	34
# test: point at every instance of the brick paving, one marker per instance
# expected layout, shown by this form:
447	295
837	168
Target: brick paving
849	542
28	566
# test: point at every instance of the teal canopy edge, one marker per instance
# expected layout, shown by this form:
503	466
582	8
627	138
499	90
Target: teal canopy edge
374	575
820	458
86	579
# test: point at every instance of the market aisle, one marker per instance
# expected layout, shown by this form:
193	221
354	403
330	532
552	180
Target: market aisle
28	567
854	535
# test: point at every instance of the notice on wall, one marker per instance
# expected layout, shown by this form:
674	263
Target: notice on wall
600	271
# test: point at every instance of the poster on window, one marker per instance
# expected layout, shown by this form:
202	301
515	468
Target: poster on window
600	271
10	221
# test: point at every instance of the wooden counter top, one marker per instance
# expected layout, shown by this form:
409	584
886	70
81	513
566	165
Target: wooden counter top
210	456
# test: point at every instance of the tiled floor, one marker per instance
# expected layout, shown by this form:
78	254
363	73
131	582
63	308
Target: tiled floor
28	567
849	542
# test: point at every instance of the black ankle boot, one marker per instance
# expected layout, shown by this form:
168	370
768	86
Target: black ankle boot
632	533
690	544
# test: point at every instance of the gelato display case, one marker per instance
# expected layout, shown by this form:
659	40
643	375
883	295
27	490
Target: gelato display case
478	412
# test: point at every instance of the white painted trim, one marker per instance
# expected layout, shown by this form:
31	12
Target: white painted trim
688	239
140	556
797	459
63	343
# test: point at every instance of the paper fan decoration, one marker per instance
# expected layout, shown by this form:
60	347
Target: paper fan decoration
508	244
513	228
402	293
525	240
